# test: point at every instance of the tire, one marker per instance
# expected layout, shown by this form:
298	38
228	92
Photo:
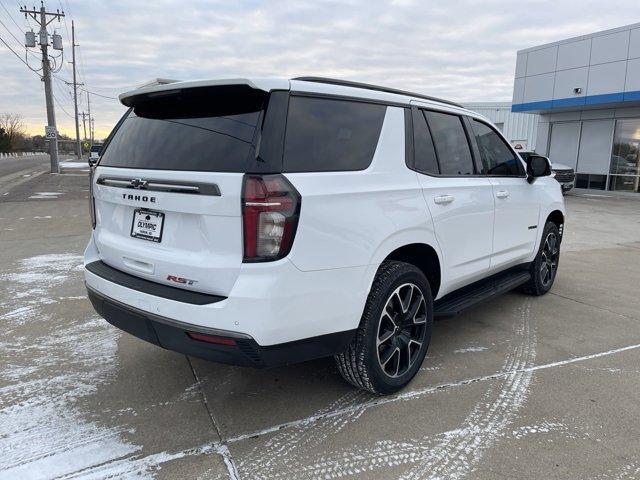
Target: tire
384	355
544	267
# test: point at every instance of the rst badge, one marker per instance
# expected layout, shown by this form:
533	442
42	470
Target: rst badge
181	280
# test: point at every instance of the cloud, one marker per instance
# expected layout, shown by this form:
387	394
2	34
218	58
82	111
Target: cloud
463	50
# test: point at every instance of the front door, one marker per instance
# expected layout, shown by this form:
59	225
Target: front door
517	206
461	203
516	221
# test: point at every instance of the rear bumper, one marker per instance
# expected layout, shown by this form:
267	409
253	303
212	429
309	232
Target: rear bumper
240	349
272	302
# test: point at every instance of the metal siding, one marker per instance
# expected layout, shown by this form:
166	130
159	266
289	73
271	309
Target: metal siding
542	61
598	63
610	48
634	44
574	54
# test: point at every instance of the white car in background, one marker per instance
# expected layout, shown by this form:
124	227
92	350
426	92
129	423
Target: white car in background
94	153
262	222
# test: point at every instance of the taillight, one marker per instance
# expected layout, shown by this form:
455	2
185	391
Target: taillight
92	202
270	210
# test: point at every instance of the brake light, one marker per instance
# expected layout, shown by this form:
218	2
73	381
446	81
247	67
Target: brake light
270	211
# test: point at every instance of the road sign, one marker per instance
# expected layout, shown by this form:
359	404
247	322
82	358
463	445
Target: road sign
50	132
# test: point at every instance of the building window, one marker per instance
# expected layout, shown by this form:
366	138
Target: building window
625	162
594	182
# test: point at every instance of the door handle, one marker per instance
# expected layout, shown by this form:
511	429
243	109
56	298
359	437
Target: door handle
502	194
443	199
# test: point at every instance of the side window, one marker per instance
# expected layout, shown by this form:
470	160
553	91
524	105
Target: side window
451	143
497	157
326	135
424	151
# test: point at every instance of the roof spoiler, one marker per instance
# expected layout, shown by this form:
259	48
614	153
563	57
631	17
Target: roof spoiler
160	86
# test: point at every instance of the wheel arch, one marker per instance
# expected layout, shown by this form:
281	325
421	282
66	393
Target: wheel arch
557	217
424	257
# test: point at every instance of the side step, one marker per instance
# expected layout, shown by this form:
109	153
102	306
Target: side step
455	302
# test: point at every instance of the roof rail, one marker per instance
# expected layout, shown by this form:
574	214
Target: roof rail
368	86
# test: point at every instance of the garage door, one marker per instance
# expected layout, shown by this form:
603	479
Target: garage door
563	147
595	147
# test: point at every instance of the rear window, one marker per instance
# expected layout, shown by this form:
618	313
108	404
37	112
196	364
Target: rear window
331	135
497	157
451	143
203	129
425	152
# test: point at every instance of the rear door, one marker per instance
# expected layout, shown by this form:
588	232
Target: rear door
169	183
517	204
461	203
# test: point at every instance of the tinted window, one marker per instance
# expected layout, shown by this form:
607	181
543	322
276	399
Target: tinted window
451	143
197	129
525	155
424	151
497	157
331	135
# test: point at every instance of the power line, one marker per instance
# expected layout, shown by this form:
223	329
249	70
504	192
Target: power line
86	90
16	38
61	107
10	16
98	94
18	56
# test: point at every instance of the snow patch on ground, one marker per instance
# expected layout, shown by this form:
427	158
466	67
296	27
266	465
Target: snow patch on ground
46	195
544	427
470	349
48	365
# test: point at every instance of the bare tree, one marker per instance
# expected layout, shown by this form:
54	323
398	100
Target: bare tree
14	128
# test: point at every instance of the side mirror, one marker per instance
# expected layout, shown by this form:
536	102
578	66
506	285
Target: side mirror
537	166
93	161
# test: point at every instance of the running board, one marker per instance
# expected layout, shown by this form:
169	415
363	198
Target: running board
455	302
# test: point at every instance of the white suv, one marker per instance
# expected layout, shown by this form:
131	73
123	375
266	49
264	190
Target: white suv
262	222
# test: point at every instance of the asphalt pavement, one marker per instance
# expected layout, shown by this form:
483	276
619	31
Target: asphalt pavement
519	387
16	164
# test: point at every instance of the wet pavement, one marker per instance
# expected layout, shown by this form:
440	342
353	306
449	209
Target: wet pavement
518	387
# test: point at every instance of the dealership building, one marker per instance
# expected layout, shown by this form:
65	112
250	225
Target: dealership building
586	94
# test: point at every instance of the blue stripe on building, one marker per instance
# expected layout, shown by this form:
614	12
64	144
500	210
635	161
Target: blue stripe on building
577	101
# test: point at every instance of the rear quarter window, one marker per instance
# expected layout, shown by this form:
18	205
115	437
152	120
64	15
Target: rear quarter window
331	135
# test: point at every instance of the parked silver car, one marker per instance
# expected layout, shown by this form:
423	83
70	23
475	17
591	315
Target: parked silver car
564	174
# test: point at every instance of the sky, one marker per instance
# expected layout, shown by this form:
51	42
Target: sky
460	50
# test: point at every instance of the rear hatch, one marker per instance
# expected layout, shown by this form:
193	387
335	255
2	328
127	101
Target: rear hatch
168	186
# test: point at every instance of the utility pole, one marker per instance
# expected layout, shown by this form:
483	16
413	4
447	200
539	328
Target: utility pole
75	89
41	17
84	124
90	119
